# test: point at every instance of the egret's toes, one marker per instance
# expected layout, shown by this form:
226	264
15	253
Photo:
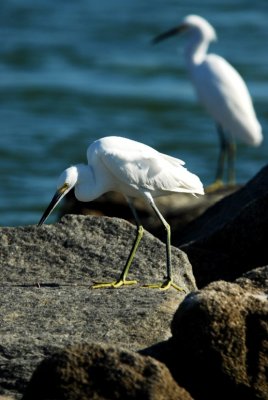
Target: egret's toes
114	284
231	185
169	283
165	285
122	282
218	184
177	287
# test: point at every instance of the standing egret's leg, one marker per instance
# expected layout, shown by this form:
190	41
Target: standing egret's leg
168	279
221	161
231	162
123	277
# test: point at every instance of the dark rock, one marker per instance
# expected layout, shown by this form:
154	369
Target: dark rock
230	238
99	372
47	303
219	347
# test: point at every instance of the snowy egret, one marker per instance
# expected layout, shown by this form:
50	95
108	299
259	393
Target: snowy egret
221	90
135	170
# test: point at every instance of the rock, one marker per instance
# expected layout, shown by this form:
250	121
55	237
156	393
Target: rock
219	347
255	279
93	371
219	343
47	303
230	238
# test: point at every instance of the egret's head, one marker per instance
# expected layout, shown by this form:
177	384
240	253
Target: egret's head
191	23
201	25
66	182
68	178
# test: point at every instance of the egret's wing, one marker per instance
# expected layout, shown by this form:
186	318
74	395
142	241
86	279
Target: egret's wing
144	168
131	165
217	81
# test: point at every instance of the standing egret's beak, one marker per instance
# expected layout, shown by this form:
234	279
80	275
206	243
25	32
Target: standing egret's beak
60	193
169	33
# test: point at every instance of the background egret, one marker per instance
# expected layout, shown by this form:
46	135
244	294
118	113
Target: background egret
135	170
221	90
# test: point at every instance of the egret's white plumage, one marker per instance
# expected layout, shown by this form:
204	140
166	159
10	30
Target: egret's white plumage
220	89
133	169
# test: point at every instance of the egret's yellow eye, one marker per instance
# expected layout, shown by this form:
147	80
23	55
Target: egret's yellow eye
62	189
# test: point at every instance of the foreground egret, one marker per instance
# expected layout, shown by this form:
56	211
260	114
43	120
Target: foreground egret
135	170
221	90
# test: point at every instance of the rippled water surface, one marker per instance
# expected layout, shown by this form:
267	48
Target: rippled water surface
74	71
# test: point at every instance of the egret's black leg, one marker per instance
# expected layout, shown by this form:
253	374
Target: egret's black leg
231	162
221	161
135	246
169	278
123	277
222	155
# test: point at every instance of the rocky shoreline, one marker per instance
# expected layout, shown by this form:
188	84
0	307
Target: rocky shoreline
60	339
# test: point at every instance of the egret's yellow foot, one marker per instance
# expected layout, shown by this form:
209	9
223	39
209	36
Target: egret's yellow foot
218	184
231	185
114	284
165	285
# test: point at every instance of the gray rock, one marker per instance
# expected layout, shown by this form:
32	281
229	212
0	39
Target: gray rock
102	372
230	238
219	333
47	303
219	347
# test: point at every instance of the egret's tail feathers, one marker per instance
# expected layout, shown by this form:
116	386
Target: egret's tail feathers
257	138
183	180
190	183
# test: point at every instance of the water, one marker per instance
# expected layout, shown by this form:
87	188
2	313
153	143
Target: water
74	71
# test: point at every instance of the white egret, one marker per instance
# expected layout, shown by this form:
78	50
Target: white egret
135	170
221	90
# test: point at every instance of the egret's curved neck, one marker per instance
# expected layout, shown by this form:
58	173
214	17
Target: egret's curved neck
92	182
196	48
86	186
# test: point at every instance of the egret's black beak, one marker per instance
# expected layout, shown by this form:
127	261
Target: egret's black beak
169	33
56	199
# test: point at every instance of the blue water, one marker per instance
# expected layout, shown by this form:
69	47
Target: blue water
74	71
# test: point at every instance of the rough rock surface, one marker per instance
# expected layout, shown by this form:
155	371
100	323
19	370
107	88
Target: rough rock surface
230	238
102	372
219	347
47	303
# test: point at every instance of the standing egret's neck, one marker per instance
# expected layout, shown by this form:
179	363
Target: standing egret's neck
91	182
85	186
200	34
196	48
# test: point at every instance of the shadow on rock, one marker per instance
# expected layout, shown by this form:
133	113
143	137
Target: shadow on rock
230	238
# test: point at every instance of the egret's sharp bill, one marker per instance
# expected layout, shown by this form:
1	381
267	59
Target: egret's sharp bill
60	193
171	32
